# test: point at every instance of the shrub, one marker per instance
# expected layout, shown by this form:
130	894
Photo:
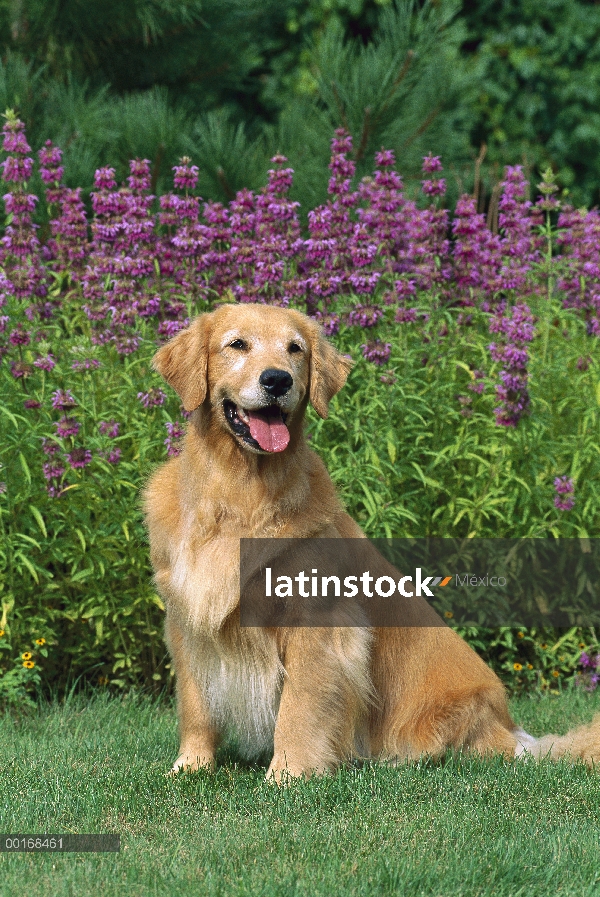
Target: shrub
472	408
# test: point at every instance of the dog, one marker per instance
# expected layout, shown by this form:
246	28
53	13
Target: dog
313	697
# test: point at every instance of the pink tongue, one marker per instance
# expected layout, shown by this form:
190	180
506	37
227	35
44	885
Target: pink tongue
269	430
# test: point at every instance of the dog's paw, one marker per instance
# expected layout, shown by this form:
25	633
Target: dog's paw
189	762
285	773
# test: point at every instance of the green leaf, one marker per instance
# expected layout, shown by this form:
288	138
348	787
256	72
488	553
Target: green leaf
428	481
29	566
10	416
81	575
40	520
30	539
25	467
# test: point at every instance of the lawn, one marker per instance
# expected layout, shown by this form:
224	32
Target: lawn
461	827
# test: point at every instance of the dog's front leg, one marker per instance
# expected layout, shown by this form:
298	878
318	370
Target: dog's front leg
323	701
198	738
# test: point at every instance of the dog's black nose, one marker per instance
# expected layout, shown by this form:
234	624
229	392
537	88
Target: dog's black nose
275	382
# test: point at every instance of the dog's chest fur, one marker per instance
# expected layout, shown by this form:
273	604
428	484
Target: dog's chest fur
238	670
241	676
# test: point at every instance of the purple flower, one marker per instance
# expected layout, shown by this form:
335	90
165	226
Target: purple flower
45	363
53	470
432	164
376	351
104	179
51	171
564	486
477	385
139	179
19	369
32	404
79	457
170	328
519	246
591	674
49	447
63	400
17	170
109	428
66	426
406	315
477	256
113	456
329	322
175	431
151	398
14	140
85	364
127	344
186	174
516	330
19	247
434	188
365	315
19	337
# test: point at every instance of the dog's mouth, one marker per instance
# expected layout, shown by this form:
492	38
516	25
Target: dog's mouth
262	428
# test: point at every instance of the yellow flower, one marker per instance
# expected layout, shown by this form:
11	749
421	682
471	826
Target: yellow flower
448	614
529	666
26	655
40	641
520	635
582	644
28	664
517	666
1	632
555	673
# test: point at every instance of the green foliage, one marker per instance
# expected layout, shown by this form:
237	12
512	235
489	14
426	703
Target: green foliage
74	570
416	455
222	98
146	77
403	90
536	70
20	674
533	660
422	454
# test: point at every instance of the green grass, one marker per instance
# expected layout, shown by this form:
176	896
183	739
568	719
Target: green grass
461	827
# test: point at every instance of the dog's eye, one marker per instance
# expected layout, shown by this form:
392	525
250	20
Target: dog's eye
238	344
294	347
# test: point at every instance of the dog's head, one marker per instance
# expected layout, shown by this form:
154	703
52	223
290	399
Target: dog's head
254	366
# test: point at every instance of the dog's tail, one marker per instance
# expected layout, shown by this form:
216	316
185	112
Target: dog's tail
582	743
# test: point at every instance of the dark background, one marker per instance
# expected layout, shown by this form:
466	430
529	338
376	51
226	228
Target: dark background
231	82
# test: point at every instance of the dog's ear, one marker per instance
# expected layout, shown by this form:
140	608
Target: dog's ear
183	362
328	372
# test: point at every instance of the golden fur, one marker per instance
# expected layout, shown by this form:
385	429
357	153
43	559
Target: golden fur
318	696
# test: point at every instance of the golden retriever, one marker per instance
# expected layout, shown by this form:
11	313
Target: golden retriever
314	697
